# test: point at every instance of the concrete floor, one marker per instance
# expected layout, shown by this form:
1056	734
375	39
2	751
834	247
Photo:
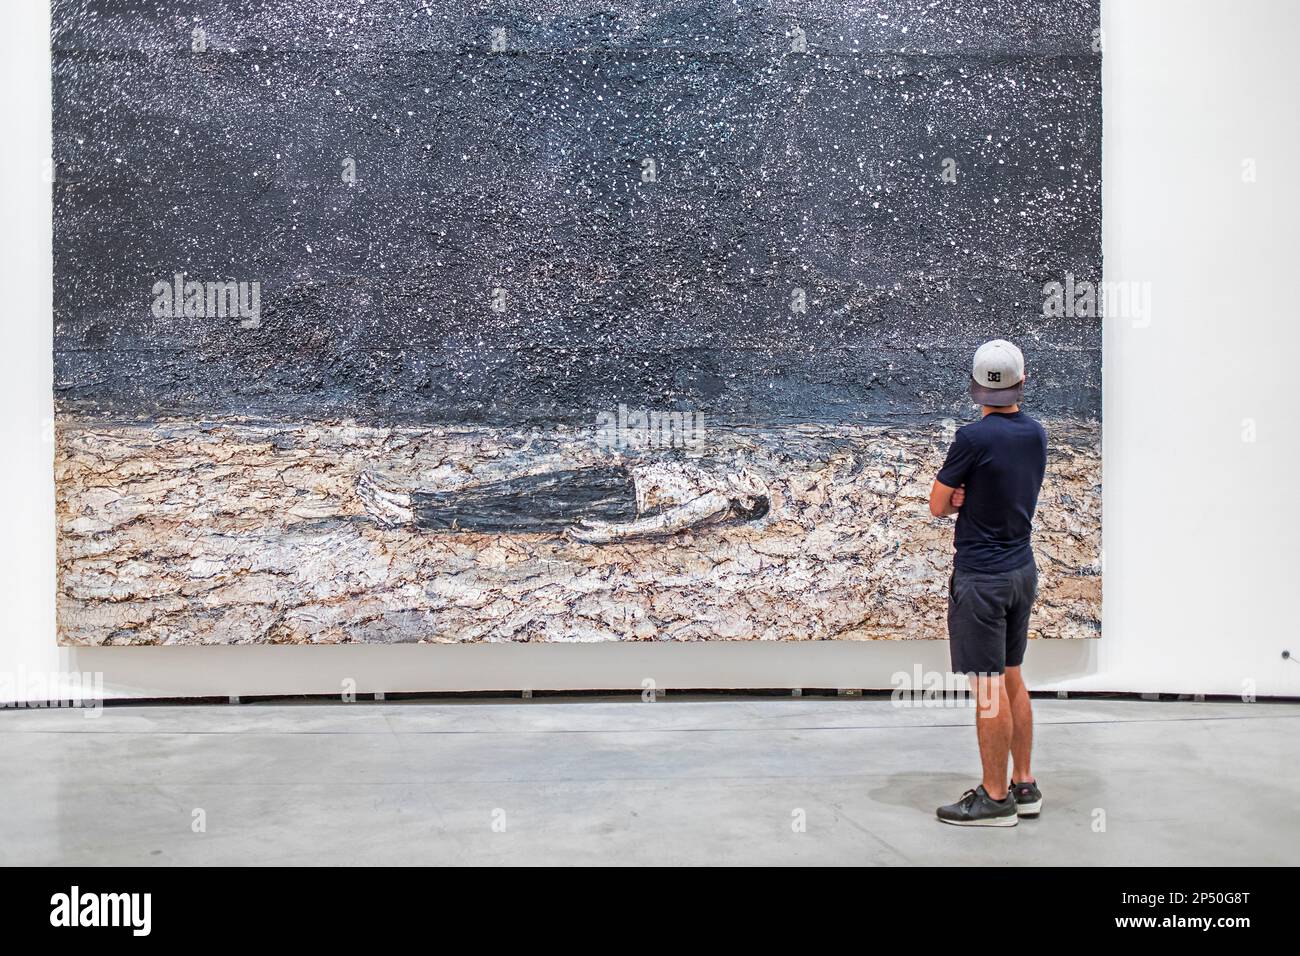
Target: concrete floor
675	782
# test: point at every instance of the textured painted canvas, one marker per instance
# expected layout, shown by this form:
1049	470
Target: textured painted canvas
408	321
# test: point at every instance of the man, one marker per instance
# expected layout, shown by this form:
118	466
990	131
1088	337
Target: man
596	504
991	480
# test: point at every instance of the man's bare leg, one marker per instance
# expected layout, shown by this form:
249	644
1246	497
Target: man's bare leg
389	507
993	725
1022	718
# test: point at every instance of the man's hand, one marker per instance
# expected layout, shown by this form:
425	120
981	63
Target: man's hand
945	500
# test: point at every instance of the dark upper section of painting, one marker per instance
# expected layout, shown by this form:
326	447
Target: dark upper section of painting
743	209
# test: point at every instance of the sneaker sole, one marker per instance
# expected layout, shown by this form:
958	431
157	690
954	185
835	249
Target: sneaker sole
1008	821
1030	809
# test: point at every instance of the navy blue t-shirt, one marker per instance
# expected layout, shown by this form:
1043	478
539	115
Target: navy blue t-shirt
1001	460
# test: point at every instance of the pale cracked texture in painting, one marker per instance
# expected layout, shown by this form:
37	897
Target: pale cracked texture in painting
462	239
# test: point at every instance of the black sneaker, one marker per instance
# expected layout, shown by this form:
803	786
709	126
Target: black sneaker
1029	799
977	809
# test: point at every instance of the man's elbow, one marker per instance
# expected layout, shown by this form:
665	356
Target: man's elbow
938	503
940	500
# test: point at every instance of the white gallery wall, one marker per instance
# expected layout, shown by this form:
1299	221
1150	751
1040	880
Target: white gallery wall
1202	438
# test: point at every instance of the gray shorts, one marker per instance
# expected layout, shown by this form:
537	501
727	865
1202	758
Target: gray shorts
988	618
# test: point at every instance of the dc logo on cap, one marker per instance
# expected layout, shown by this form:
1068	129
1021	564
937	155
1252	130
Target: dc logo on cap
995	376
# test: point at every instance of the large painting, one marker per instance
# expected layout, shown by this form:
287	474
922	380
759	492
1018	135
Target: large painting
395	321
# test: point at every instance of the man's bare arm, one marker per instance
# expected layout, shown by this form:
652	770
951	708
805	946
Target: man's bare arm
945	500
710	507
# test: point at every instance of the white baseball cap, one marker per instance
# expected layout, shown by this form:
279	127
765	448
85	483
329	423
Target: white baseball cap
998	374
